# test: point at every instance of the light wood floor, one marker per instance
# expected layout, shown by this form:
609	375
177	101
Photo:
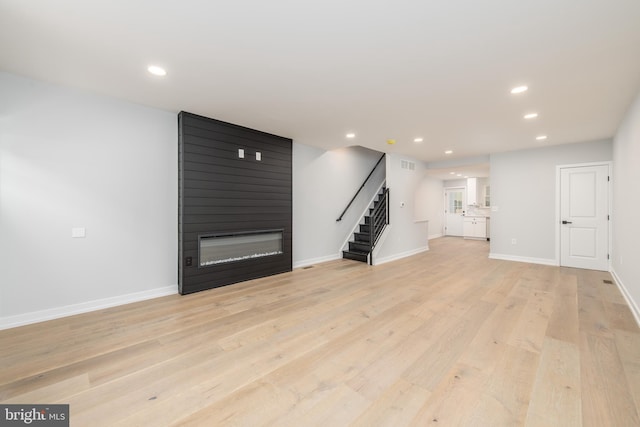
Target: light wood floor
444	338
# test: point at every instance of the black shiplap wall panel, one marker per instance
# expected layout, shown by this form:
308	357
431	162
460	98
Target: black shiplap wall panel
226	201
203	161
221	193
229	138
208	194
226	176
210	185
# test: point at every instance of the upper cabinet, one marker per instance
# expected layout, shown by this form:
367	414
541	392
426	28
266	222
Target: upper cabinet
478	192
472	191
486	199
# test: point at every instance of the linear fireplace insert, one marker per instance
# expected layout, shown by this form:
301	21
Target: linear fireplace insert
217	249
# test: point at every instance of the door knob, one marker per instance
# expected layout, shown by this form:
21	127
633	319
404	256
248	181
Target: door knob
567	222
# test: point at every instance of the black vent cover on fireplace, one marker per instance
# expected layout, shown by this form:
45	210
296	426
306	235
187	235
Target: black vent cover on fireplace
233	181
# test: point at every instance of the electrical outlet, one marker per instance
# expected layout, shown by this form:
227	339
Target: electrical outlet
514	241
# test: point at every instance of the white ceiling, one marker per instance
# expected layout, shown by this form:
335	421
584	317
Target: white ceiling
313	71
475	170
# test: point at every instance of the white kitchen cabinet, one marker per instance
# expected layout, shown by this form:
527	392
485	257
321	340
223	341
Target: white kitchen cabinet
486	198
478	192
472	191
474	227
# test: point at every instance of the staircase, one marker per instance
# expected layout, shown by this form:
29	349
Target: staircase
364	240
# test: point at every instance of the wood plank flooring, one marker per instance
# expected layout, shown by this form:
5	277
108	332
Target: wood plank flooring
444	338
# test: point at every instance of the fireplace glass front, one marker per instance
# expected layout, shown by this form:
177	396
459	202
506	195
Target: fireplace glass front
224	248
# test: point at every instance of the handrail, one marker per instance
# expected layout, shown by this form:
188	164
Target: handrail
360	189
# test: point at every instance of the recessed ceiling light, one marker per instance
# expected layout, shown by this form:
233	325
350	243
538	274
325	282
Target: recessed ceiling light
519	89
351	135
459	174
531	116
448	152
157	71
541	137
452	173
466	176
418	140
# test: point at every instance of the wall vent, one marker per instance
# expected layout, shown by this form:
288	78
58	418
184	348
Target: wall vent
405	164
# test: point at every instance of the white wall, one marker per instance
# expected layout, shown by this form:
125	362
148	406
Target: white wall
429	205
523	187
626	206
325	181
323	184
73	159
406	234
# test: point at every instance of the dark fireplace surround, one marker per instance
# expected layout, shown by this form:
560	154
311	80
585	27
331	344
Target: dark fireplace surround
235	203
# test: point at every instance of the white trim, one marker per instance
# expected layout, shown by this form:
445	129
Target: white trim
84	307
627	296
400	255
543	261
318	260
435	236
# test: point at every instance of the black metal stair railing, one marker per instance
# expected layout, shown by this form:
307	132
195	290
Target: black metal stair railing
379	218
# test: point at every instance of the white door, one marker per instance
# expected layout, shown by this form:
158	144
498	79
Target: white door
454	200
584	210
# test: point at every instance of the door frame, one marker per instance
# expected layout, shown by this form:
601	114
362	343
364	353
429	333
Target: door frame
559	168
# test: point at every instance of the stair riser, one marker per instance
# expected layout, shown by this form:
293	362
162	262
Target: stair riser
362	237
355	257
363	247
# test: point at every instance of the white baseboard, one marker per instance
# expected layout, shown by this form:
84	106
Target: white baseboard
84	307
543	261
627	296
378	261
312	261
434	236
